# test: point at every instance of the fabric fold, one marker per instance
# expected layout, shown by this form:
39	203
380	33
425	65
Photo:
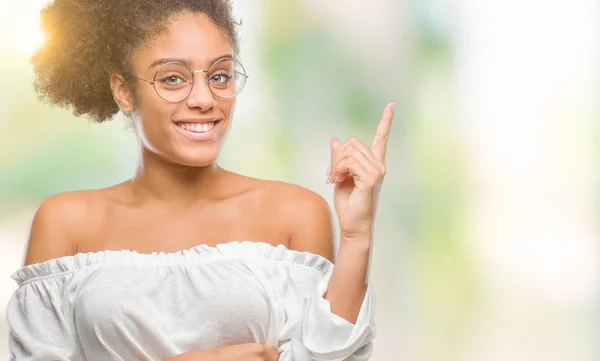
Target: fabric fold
40	319
313	332
330	337
199	253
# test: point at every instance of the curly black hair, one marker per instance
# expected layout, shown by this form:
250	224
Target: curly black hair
87	40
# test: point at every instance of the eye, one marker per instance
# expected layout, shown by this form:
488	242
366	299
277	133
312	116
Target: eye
172	80
220	78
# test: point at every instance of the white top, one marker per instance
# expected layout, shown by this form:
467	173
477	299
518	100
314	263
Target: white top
124	305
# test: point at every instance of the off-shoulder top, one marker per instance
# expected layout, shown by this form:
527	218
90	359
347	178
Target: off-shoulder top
124	305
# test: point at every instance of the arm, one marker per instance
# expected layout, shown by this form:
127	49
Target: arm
348	284
313	232
244	352
336	322
329	313
357	172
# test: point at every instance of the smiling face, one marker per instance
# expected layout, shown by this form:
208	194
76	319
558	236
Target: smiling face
189	132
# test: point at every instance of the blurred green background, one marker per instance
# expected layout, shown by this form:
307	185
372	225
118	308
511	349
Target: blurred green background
487	239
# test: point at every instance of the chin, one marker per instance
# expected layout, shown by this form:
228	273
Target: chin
197	158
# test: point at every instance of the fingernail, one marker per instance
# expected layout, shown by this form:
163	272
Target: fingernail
394	106
327	180
332	139
329	170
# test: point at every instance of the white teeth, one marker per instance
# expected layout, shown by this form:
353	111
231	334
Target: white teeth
197	127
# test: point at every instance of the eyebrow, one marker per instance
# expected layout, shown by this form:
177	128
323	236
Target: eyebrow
184	61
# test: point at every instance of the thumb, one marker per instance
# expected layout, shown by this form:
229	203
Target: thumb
334	144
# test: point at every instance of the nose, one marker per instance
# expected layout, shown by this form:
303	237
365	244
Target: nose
200	96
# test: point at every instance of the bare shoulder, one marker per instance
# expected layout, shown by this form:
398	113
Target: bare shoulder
55	225
307	215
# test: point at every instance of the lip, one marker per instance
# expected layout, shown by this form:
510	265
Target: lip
197	120
198	136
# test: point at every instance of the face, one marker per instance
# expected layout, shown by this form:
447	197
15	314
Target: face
172	130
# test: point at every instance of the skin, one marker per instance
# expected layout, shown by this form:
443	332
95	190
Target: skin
155	205
180	197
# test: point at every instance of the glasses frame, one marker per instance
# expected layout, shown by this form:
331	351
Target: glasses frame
193	72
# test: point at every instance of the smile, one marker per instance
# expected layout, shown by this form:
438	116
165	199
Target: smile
197	127
198	131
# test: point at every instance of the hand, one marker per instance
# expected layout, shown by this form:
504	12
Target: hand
357	172
243	352
247	352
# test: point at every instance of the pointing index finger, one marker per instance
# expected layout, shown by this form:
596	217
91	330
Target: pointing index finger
378	146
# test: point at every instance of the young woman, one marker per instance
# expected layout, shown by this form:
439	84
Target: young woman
186	260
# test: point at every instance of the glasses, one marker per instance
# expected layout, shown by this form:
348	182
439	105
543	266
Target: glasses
173	81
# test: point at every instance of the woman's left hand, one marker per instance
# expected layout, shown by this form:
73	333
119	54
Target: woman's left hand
357	172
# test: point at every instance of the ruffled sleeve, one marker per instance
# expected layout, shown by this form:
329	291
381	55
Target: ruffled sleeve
311	332
39	316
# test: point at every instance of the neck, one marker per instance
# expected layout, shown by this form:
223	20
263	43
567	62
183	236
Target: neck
156	179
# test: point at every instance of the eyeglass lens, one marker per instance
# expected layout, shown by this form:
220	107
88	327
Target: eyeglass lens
173	81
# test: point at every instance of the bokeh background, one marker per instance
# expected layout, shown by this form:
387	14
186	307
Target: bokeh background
488	236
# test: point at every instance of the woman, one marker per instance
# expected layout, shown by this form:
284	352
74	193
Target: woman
186	261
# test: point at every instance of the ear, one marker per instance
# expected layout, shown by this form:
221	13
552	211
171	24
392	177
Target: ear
121	93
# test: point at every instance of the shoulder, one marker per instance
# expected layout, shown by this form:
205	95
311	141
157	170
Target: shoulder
306	215
292	194
55	225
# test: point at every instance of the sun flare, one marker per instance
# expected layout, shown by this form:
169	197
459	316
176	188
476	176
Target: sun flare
30	37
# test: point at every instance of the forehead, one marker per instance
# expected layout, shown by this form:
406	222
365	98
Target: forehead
188	36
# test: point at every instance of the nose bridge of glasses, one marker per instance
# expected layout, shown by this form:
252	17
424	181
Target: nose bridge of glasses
206	90
199	71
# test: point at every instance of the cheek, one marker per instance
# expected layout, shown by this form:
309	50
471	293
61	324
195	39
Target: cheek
228	106
152	116
146	99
